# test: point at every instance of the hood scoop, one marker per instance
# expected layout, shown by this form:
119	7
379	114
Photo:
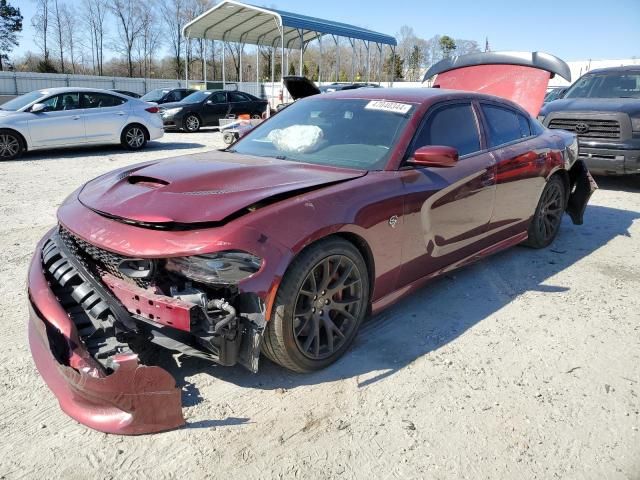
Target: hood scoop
210	187
148	182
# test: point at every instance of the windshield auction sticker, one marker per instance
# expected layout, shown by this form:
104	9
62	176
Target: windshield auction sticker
394	107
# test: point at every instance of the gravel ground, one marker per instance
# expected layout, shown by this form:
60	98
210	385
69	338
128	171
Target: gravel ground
525	365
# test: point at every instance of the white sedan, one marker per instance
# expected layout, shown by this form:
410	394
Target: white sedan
64	117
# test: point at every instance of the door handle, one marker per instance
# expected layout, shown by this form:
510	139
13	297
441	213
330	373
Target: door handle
76	117
122	114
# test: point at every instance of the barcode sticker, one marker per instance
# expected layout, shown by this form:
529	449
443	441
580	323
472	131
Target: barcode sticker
384	106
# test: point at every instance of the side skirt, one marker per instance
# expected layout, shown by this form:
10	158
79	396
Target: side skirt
392	298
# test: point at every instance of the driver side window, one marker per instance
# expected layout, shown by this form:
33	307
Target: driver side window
64	101
219	97
452	126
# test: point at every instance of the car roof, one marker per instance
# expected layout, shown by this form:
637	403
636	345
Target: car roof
620	69
56	90
424	95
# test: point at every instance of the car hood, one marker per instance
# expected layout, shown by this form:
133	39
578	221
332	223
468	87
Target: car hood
630	106
167	106
202	188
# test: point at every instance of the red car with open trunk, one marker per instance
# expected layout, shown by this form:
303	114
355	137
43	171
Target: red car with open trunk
333	209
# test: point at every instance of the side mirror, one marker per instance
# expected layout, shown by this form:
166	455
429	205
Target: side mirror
209	102
437	156
38	107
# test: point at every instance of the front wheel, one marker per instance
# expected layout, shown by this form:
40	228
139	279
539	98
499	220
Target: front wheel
320	304
192	123
545	223
134	137
10	145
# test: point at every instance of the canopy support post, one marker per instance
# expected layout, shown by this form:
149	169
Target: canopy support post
320	61
335	39
186	65
224	72
257	66
368	47
380	60
393	64
204	62
352	41
240	62
301	36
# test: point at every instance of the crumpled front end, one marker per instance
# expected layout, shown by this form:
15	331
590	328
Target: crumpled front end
120	396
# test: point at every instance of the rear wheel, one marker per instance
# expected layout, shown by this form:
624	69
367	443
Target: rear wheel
546	221
192	123
256	116
134	137
10	145
319	307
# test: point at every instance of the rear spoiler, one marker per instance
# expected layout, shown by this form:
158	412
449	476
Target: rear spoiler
539	60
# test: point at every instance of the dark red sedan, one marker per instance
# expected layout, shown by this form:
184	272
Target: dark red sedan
333	209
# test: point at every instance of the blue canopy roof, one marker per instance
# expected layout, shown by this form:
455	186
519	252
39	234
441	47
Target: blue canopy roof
234	21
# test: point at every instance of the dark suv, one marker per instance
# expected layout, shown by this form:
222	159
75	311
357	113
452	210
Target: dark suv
603	108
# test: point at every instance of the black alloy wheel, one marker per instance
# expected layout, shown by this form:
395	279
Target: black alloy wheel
320	305
548	216
327	308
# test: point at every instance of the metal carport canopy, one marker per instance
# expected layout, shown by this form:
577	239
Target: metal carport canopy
233	21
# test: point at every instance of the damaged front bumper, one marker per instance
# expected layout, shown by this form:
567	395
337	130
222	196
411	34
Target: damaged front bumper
132	399
85	330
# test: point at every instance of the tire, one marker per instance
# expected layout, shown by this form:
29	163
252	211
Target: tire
192	123
134	137
328	286
228	138
256	116
11	146
546	221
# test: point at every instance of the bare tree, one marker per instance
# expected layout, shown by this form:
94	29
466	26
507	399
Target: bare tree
40	23
148	41
173	12
58	30
70	35
95	12
129	14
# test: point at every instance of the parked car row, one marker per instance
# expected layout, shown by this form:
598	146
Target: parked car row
62	117
65	117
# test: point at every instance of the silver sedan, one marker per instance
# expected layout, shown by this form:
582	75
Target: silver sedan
63	117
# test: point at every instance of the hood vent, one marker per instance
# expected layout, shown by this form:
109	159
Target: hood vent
147	181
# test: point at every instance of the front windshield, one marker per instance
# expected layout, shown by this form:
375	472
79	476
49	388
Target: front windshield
22	101
196	97
154	95
606	85
351	133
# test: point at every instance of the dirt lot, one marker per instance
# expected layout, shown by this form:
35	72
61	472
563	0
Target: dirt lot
526	365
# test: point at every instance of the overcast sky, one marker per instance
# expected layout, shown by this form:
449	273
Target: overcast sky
570	29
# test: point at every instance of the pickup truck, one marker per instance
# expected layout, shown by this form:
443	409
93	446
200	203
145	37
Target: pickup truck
603	108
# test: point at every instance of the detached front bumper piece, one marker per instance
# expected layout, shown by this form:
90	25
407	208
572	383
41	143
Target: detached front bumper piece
126	398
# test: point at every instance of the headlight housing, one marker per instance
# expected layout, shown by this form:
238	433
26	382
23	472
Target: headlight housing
221	268
172	111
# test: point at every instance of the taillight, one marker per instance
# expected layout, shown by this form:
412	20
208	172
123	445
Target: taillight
152	109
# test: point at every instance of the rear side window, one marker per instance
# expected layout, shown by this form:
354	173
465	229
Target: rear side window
237	97
452	126
505	125
100	100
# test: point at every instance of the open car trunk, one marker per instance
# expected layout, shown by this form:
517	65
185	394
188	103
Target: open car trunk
522	77
300	87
